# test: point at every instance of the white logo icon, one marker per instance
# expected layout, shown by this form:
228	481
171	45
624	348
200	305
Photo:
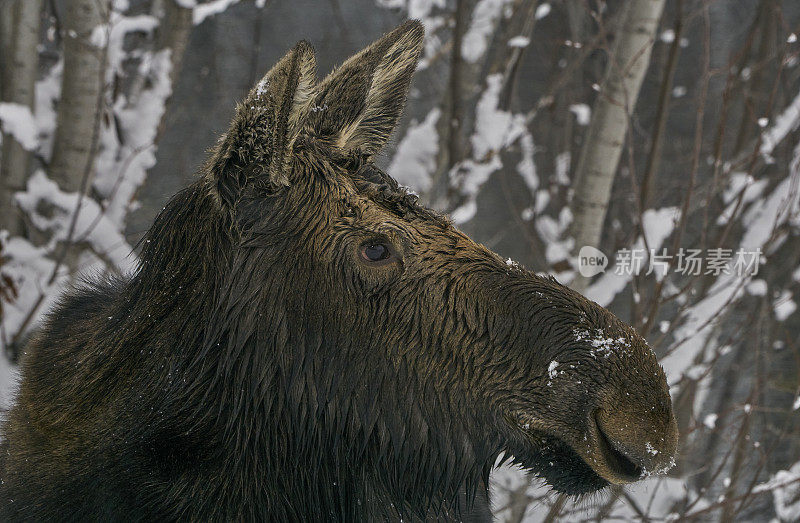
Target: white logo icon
591	261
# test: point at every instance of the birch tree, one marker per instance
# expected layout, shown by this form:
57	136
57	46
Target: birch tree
605	138
20	69
81	92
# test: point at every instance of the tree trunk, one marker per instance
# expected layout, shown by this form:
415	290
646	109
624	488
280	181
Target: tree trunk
451	127
19	75
81	88
6	27
605	138
173	34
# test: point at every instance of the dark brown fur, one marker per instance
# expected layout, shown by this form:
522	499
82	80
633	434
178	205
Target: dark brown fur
258	367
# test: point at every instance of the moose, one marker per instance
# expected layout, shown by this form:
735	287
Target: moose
303	341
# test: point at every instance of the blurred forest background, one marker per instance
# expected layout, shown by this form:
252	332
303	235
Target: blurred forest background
542	127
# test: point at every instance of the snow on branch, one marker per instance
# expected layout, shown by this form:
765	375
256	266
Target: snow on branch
122	165
51	209
495	129
657	226
18	121
31	271
785	123
203	11
481	28
414	162
762	219
785	488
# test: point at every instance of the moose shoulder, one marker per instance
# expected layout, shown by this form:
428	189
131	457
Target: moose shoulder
302	341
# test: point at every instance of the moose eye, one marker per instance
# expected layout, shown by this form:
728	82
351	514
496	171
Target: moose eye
375	252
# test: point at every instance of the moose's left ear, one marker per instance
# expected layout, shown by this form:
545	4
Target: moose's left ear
357	106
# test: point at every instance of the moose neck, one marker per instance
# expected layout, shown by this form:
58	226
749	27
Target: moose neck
260	381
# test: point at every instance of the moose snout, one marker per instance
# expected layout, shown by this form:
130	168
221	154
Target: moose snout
634	441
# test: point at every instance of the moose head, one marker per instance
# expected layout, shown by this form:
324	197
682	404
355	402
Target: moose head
419	352
322	346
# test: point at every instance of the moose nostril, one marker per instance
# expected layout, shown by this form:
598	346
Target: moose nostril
617	460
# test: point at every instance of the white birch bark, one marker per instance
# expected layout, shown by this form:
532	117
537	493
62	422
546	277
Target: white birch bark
21	65
605	139
81	86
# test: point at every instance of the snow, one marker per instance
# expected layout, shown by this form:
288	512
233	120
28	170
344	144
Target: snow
30	269
122	167
99	36
757	288
91	225
119	27
760	221
495	129
414	163
48	91
657	225
9	375
764	215
602	344
526	166
667	36
482	26
582	112
391	4
215	7
551	369
465	212
473	175
261	87
785	122
784	306
563	161
542	200
742	189
419	9
785	488
710	421
18	121
519	41
542	10
658	493
552	233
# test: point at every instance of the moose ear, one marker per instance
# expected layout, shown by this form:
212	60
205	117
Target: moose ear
259	142
357	106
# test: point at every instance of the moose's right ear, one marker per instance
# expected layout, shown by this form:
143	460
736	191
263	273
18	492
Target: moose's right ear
258	145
